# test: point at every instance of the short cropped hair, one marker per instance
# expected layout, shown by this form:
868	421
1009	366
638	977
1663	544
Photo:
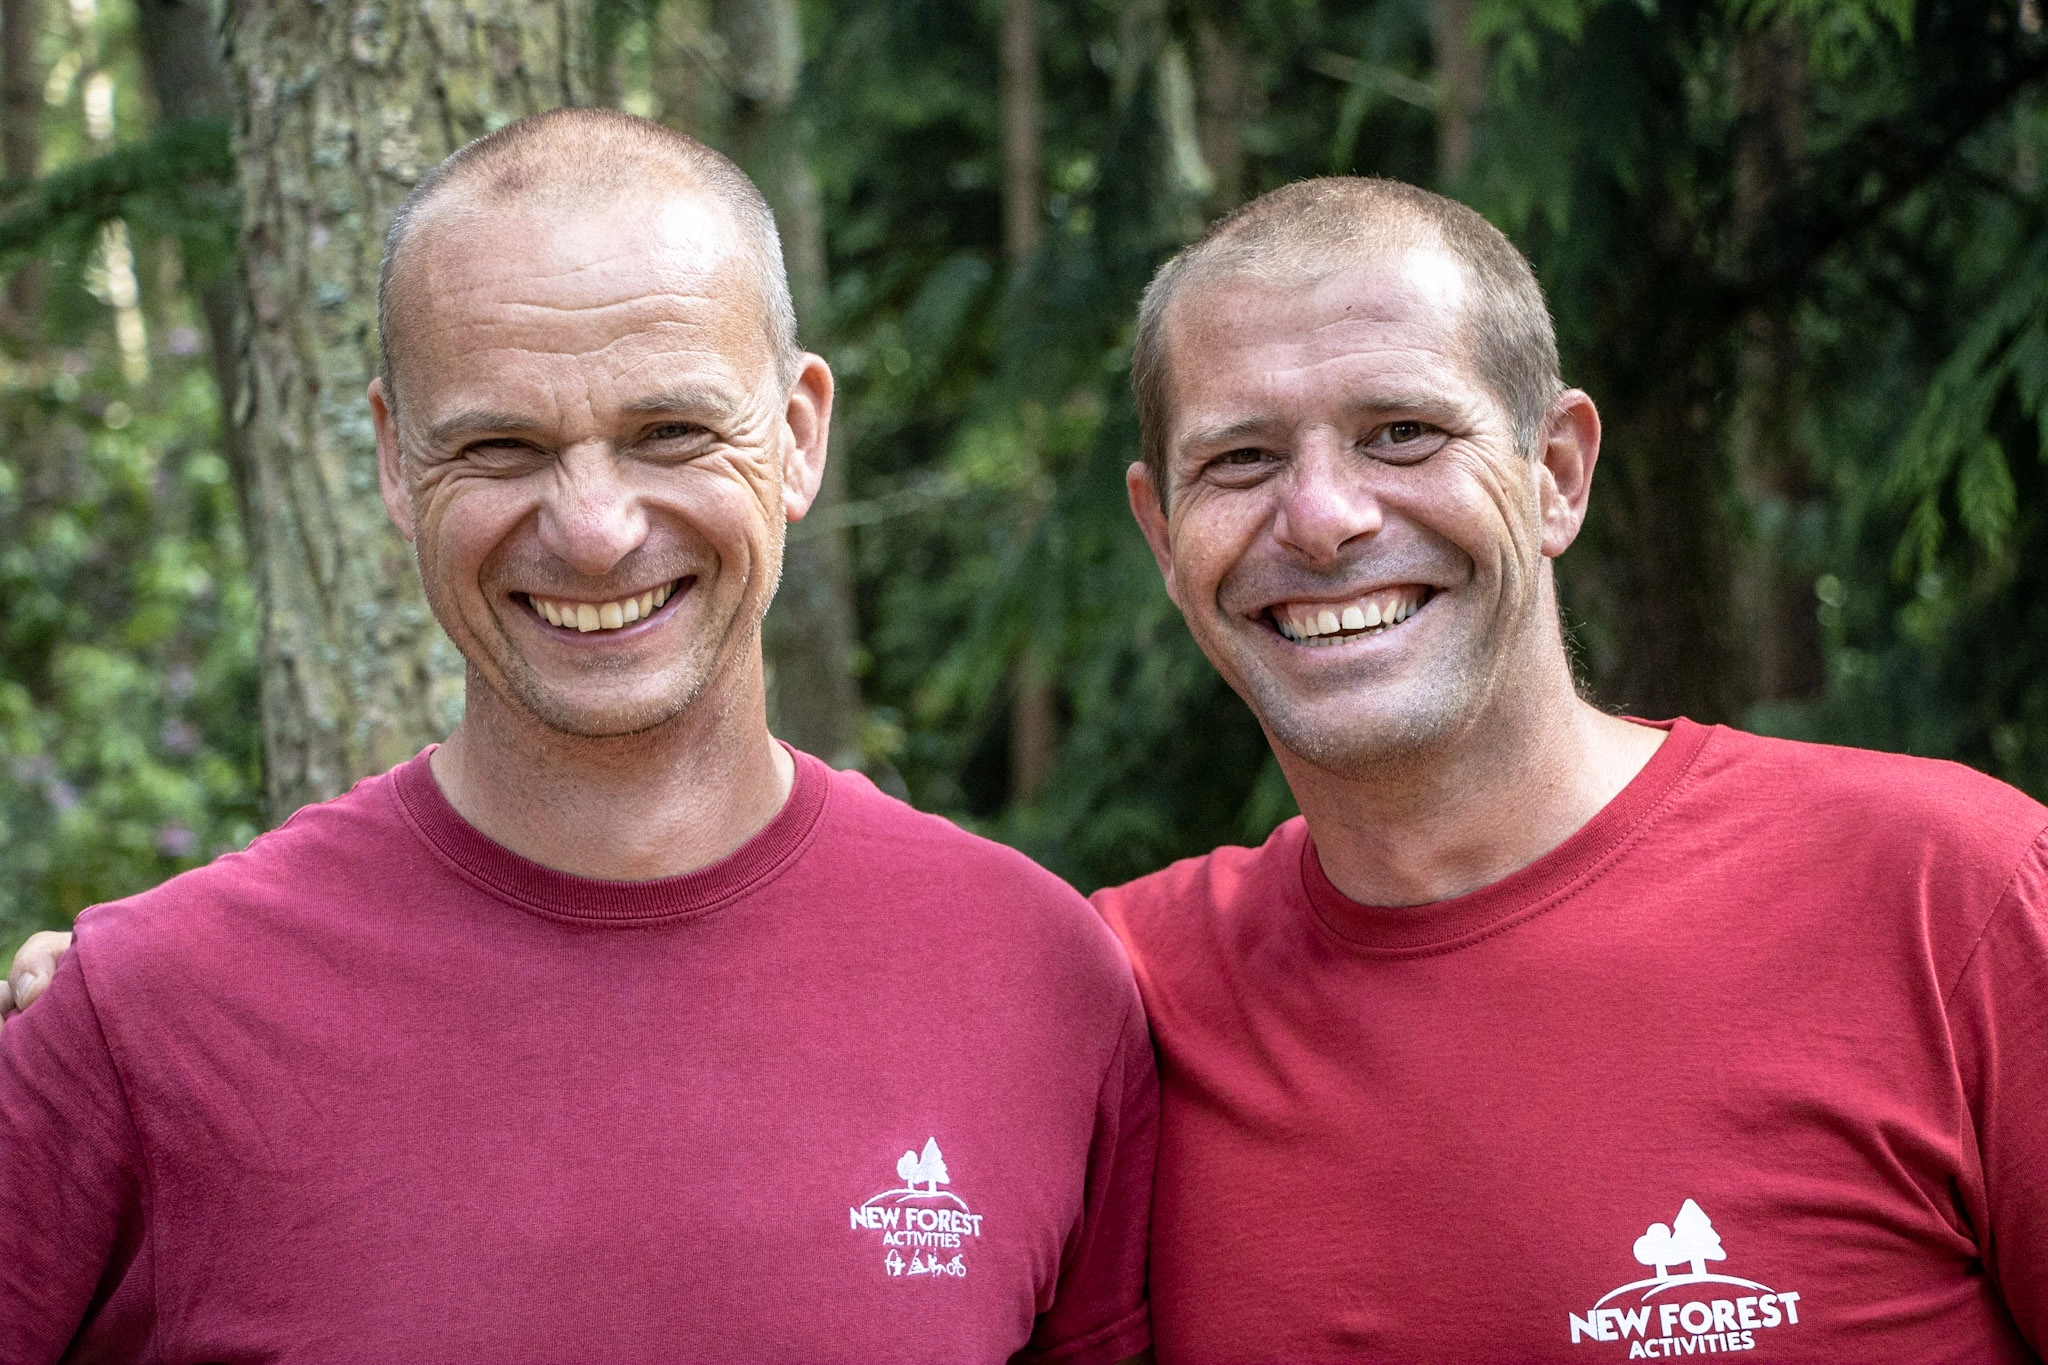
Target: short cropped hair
571	156
1306	231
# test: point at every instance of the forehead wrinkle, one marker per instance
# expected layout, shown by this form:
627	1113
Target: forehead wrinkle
432	255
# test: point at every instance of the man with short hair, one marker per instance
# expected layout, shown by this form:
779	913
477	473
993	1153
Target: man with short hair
1543	1034
609	1028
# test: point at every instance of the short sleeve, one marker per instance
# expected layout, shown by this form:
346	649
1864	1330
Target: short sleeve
1998	1014
70	1187
1099	1312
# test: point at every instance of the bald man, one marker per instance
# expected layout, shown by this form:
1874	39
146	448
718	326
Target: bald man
609	1028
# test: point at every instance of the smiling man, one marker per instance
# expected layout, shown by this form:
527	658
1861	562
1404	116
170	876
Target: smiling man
610	1028
1543	1034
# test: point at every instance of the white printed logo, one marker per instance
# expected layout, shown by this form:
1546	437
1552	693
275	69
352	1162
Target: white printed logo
1700	1325
925	1222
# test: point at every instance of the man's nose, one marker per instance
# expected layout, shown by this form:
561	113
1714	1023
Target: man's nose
1325	501
592	517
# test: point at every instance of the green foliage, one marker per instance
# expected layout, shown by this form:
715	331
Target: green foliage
128	642
1817	328
128	745
175	184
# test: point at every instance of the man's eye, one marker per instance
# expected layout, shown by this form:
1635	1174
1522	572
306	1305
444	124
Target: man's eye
674	431
1241	457
1405	442
499	452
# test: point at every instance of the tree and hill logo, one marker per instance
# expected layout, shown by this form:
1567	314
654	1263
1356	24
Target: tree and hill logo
1686	1320
919	1217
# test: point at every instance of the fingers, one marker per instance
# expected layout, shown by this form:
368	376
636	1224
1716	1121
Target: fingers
34	966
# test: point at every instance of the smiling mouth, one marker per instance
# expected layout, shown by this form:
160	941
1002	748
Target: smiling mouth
585	617
1329	623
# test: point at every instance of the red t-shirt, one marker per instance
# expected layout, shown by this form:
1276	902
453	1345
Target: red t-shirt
1757	1061
378	1089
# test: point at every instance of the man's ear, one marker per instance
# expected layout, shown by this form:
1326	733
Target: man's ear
1145	506
390	467
809	414
1564	474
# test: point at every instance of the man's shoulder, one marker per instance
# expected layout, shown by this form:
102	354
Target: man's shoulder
886	843
1866	793
1214	888
336	845
984	909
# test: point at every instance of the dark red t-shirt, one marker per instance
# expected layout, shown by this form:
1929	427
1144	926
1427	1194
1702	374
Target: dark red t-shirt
1757	1062
378	1089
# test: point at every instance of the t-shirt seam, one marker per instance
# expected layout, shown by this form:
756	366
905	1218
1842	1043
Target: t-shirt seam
149	1180
1136	1318
1113	1068
663	920
1601	864
1972	1131
2006	898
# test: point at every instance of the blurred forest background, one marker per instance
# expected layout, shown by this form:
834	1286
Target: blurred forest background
1797	250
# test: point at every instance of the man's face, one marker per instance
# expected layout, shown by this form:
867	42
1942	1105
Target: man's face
1353	536
593	455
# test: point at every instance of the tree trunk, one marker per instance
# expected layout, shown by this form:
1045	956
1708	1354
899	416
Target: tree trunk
680	69
1664	498
1775	590
809	634
1022	139
340	109
1461	85
180	47
21	142
1221	98
1034	706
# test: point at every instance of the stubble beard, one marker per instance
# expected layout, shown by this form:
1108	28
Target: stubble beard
518	689
1375	735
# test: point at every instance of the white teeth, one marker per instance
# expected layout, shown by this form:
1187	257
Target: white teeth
588	616
1332	625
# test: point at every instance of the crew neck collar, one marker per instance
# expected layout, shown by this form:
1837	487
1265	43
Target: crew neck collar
1418	930
572	899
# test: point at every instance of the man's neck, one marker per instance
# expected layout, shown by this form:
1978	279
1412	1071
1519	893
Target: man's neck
631	808
1452	821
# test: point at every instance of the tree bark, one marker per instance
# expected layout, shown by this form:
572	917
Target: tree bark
21	142
685	95
1461	84
180	47
1221	95
1022	140
339	110
1034	705
1785	657
808	636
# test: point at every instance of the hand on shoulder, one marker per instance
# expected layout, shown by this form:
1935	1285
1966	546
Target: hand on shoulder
35	964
